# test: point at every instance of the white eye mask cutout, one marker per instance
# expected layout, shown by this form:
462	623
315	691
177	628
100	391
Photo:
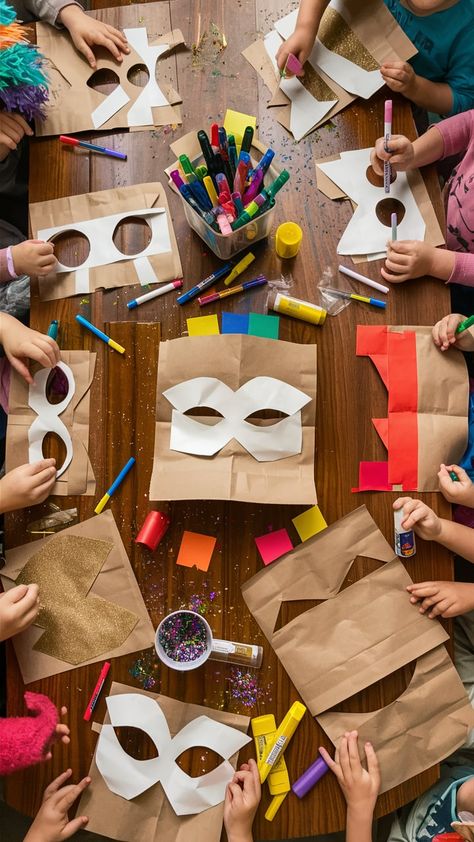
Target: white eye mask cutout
48	420
103	250
140	113
128	777
264	443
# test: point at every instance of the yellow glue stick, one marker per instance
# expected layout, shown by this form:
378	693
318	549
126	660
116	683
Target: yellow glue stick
263	730
280	740
303	310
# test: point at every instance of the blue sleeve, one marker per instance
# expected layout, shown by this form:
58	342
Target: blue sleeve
460	75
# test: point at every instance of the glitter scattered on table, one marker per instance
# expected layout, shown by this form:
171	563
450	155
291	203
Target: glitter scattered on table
244	687
145	671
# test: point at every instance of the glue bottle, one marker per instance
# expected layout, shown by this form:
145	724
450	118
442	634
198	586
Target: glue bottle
405	546
304	310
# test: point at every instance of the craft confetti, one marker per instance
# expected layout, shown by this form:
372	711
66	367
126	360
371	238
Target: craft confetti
196	550
145	671
273	545
243	687
183	637
201	603
309	523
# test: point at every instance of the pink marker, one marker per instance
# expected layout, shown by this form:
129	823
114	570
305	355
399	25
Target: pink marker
387	132
223	222
293	65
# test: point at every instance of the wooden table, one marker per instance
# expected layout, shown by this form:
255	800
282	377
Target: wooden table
123	394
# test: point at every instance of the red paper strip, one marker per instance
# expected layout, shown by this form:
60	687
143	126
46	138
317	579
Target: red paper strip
373	476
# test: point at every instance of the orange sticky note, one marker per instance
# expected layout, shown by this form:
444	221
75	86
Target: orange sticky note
196	550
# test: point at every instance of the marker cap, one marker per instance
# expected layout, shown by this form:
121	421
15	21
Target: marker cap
153	530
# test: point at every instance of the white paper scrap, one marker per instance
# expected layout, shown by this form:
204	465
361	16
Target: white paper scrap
111	104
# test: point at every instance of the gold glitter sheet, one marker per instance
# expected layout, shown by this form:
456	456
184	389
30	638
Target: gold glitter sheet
316	85
338	37
77	627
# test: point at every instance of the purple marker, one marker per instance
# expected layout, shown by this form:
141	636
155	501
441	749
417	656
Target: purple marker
311	777
176	179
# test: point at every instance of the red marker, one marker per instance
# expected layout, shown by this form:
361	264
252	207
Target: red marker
74	141
97	691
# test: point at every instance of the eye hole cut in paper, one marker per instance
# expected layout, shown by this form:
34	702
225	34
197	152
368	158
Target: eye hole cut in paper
129	778
77	627
266	443
48	420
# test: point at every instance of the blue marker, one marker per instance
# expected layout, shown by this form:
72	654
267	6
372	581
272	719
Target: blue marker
207	282
53	329
113	488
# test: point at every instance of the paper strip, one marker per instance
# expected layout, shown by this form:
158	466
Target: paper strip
81	281
146	273
140	113
48	420
273	545
266	326
196	550
235	323
309	523
111	104
203	325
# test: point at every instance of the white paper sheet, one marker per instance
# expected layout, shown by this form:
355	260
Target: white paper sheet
48	420
111	104
365	234
306	110
103	250
128	777
264	443
140	113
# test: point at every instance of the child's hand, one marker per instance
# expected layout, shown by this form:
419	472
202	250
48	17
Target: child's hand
444	331
13	128
399	76
18	609
420	517
401	154
61	734
460	491
87	32
21	343
360	787
52	821
242	798
27	485
443	599
300	44
34	257
408	259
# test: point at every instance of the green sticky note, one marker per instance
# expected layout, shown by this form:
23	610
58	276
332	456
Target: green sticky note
267	326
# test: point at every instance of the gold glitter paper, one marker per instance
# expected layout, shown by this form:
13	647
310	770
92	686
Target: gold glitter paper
338	37
316	85
77	627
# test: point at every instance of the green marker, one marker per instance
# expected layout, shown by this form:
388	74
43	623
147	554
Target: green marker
467	323
262	202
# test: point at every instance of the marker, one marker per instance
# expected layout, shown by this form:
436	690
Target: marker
281	738
113	488
73	141
387	131
293	65
247	140
241	174
186	193
454	476
53	329
394	221
223	186
97	691
232	150
367	281
211	190
341	294
100	335
239	268
263	730
222	221
154	294
465	325
206	150
204	284
175	176
265	198
238	204
215	137
216	296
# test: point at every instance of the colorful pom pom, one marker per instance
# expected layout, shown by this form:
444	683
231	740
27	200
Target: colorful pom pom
23	82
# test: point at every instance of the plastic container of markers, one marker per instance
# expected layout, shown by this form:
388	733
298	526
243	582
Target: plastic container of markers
257	229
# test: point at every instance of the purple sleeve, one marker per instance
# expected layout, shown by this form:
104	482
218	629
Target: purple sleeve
463	272
457	132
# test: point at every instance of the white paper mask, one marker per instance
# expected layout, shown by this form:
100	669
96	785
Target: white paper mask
103	250
128	777
48	420
264	443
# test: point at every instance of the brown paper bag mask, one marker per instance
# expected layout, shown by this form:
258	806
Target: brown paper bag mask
78	477
359	635
69	212
233	459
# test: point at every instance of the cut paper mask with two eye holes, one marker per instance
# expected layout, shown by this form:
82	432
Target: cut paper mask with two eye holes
266	443
61	380
129	778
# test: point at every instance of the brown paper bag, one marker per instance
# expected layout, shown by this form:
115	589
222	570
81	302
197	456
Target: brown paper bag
74	209
72	101
359	635
115	583
150	816
79	477
232	473
427	723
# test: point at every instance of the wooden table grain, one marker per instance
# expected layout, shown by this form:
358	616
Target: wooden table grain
211	79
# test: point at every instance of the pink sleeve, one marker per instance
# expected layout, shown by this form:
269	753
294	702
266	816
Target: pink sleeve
463	272
457	132
24	740
4	273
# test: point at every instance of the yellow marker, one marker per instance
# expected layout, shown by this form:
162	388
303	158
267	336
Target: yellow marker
239	268
108	494
263	730
211	190
280	740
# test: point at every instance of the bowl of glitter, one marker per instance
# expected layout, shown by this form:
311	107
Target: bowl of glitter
183	640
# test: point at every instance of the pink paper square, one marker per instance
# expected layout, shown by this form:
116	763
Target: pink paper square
273	545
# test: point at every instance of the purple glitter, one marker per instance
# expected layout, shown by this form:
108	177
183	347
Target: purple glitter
244	687
183	637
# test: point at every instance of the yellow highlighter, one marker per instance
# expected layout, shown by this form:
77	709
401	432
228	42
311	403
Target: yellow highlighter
280	740
211	190
263	730
239	268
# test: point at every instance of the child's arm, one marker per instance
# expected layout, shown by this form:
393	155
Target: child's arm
399	76
242	798
443	599
307	24
427	524
13	128
360	787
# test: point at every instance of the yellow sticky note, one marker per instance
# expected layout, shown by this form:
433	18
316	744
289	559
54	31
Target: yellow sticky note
235	123
309	523
203	325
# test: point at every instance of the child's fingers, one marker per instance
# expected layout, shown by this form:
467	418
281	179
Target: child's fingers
461	474
41	465
439	608
394	277
255	777
353	750
372	761
424	589
344	760
15	594
27	602
44	476
69	794
236	793
57	783
73	826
